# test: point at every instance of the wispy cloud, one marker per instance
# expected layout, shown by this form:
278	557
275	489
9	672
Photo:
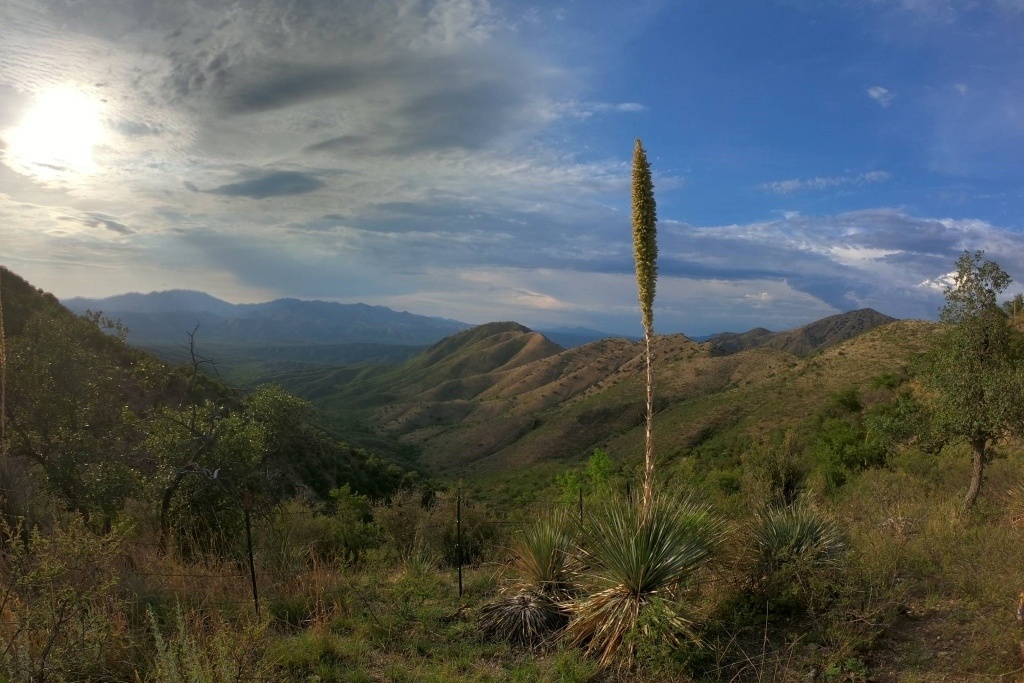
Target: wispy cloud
822	183
584	110
883	96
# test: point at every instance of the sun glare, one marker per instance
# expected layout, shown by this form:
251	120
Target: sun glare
55	139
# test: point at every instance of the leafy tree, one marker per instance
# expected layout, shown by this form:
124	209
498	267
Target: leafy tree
74	395
974	373
645	253
212	455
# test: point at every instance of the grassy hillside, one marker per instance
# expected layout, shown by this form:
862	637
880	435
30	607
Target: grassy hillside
499	396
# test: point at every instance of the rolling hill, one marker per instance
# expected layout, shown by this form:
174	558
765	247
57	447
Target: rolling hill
500	396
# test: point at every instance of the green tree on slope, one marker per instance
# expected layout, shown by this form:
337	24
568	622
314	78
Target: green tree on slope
975	373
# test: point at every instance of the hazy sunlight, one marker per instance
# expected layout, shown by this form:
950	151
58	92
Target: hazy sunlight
55	139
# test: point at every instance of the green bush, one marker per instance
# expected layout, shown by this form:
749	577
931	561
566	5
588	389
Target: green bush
789	547
842	449
59	604
193	653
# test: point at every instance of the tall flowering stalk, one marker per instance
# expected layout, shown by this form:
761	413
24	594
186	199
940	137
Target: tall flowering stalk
645	253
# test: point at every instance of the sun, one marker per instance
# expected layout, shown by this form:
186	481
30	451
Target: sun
55	139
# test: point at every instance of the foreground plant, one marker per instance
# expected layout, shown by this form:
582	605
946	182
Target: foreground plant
645	256
789	545
637	562
543	563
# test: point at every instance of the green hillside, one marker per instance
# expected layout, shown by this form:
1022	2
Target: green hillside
80	403
183	526
498	396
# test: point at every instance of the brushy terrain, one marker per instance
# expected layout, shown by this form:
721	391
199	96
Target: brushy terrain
809	540
921	593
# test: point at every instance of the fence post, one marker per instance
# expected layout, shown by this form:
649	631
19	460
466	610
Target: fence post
246	506
458	535
581	506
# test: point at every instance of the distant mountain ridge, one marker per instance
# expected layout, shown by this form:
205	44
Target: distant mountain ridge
167	317
802	341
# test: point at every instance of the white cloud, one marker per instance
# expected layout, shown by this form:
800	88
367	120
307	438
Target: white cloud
883	96
821	183
585	110
941	283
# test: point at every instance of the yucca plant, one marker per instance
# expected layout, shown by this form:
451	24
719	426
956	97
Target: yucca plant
526	617
636	563
542	554
788	545
543	566
645	256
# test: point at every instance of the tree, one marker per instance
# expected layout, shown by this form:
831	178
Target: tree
212	455
974	373
645	253
73	398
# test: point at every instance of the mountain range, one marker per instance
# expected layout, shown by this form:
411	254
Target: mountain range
162	321
168	317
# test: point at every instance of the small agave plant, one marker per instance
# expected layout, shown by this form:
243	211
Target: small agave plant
534	610
788	544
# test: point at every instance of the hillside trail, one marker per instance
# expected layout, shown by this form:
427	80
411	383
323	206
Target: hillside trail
927	645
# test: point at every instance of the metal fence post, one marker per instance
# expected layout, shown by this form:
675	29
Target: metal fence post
581	505
246	506
458	535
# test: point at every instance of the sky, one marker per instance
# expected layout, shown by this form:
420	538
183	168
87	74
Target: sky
471	159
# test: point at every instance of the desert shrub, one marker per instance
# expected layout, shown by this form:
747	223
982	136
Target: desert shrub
193	652
789	547
353	522
841	449
479	530
297	535
843	402
637	562
773	472
403	522
59	611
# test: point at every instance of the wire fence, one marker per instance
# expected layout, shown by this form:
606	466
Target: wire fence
282	549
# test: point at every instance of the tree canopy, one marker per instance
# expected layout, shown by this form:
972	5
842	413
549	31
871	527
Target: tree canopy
974	374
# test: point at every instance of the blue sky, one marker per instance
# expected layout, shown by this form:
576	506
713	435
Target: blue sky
470	159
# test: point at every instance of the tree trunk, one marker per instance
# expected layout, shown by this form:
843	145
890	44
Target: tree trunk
978	446
165	506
